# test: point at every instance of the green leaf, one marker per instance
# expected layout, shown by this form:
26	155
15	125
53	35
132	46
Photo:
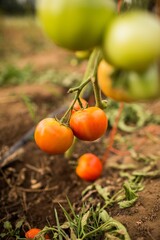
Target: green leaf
102	192
3	234
58	225
104	216
73	236
65	225
19	223
84	219
127	203
129	192
7	225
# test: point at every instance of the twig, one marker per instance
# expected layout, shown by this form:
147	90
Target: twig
29	190
13	156
113	133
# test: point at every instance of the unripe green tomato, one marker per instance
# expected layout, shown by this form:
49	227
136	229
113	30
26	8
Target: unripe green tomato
133	40
75	24
144	85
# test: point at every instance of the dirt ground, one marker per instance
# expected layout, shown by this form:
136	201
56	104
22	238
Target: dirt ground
34	183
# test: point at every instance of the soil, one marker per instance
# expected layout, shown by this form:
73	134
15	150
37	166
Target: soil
33	183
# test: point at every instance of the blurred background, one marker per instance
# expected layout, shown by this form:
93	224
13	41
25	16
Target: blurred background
17	6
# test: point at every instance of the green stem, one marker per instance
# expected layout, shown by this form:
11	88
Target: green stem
91	72
97	93
80	87
107	226
69	152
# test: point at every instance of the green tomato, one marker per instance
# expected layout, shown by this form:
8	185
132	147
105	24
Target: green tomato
144	85
133	40
75	24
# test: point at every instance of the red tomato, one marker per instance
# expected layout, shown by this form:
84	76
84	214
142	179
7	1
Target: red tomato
53	137
31	234
89	167
77	106
89	124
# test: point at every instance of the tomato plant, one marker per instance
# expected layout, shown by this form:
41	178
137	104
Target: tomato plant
77	106
128	86
75	25
53	137
132	41
32	233
89	167
89	124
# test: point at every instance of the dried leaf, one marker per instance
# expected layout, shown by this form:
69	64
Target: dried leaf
85	218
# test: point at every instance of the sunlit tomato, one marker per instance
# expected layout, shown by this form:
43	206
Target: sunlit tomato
31	234
89	124
77	106
89	167
129	86
133	40
75	24
53	137
108	85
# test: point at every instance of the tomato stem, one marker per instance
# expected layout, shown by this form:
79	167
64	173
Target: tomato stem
97	93
69	152
90	74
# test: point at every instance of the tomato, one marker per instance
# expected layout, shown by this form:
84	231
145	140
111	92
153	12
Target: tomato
89	167
106	83
144	85
31	234
133	40
89	124
129	86
82	54
77	106
75	25
53	137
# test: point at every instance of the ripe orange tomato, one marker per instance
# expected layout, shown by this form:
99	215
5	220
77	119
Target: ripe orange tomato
89	124
31	234
77	106
53	137
89	167
106	83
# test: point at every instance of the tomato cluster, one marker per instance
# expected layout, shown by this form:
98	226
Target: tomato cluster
129	42
128	71
87	124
